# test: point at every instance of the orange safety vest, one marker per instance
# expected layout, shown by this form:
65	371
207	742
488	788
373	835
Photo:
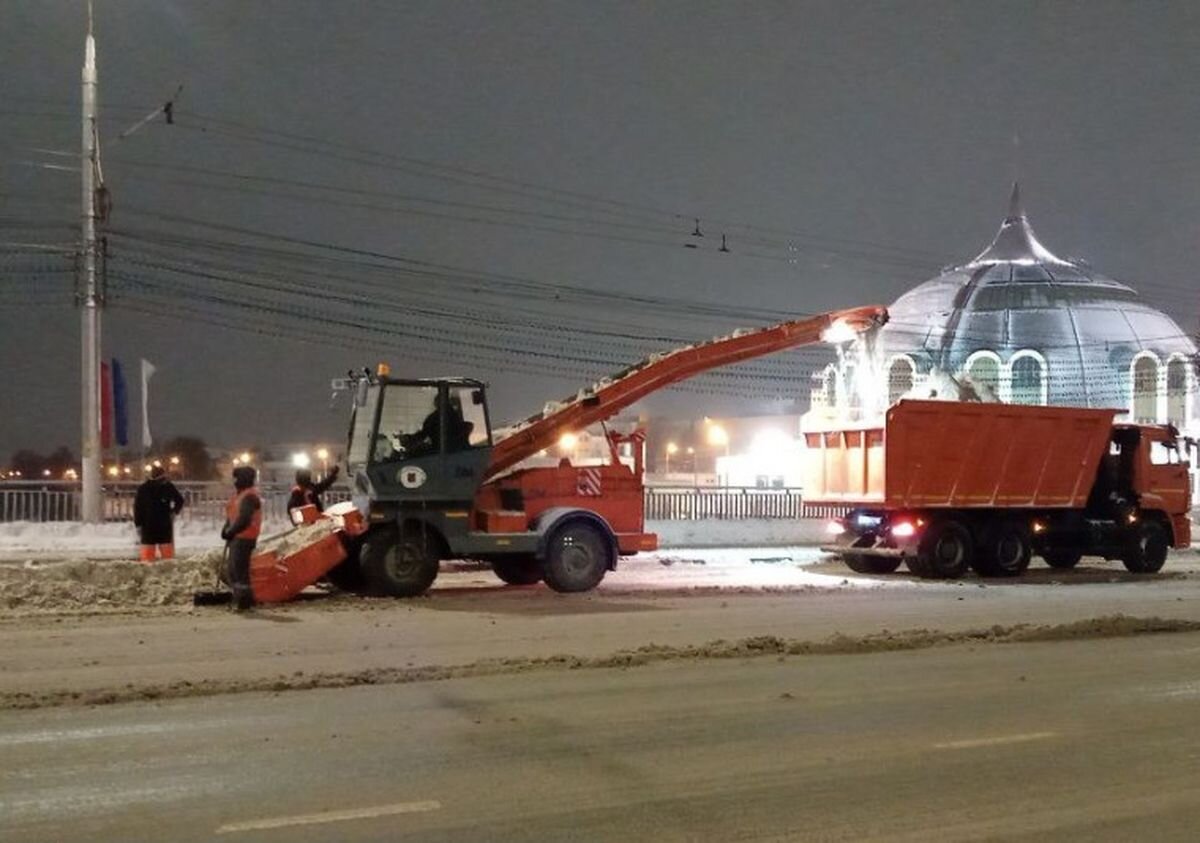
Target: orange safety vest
233	509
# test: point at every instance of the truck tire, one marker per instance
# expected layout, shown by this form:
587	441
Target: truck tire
1004	552
1147	549
944	553
1062	559
578	555
524	570
861	564
399	563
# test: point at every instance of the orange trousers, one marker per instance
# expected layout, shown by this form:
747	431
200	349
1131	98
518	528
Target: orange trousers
149	552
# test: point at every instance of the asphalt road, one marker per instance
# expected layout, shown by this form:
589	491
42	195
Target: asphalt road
1079	740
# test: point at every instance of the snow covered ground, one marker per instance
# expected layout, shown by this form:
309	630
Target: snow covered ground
61	539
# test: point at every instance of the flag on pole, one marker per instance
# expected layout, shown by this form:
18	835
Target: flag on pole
147	371
106	406
120	404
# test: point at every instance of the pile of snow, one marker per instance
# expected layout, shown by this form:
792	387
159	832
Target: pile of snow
97	585
118	540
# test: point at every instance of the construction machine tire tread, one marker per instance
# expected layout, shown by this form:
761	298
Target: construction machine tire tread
401	563
578	555
524	570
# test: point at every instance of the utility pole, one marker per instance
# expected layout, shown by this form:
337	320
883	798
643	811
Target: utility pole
90	299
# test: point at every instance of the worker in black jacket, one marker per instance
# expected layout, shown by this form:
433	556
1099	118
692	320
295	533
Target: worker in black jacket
154	509
308	493
243	525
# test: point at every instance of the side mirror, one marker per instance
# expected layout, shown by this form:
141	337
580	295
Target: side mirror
477	397
360	393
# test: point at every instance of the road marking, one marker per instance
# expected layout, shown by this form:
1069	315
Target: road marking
996	741
331	816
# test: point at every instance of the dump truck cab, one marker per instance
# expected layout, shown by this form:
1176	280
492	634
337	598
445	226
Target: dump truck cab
1150	464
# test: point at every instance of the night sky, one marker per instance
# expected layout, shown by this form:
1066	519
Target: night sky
847	150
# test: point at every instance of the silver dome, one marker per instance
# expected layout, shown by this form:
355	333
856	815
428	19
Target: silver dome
1017	299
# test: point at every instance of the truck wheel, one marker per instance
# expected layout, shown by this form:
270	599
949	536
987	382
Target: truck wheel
1005	551
577	557
1062	559
944	552
524	570
861	564
400	564
1148	549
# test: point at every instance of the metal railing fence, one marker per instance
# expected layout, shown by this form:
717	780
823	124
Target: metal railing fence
59	501
31	500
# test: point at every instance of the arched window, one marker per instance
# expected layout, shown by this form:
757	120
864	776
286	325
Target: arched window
983	370
1145	388
901	374
1027	378
1177	391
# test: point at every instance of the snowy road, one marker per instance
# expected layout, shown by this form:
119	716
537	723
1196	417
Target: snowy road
1071	740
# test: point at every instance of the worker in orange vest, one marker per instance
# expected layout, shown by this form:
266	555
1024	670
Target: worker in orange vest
243	523
307	492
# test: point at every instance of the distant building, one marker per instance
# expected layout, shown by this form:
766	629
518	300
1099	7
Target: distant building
1019	325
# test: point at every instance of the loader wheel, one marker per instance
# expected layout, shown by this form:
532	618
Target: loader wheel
1148	549
944	552
861	564
577	557
523	570
347	575
1062	559
400	564
1005	551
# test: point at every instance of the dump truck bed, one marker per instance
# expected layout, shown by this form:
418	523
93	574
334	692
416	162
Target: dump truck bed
953	454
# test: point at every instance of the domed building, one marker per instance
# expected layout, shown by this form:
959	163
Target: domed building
1017	324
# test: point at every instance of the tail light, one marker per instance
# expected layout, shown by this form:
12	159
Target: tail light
904	529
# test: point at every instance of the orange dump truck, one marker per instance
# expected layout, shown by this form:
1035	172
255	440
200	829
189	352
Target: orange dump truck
943	486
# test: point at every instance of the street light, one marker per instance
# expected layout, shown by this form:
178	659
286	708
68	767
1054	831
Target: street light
113	471
245	457
300	459
718	437
568	442
672	448
323	456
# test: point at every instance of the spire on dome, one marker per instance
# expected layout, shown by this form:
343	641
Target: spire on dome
1015	241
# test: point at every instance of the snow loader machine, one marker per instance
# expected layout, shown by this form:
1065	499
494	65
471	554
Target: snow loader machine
433	480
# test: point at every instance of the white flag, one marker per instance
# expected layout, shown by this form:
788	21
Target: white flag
147	370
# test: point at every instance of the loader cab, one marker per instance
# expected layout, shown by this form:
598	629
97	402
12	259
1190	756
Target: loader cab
419	440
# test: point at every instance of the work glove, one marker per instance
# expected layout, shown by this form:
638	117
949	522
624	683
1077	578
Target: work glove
225	534
335	471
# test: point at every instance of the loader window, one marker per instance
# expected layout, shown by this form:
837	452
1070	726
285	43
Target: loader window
466	419
361	426
408	423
